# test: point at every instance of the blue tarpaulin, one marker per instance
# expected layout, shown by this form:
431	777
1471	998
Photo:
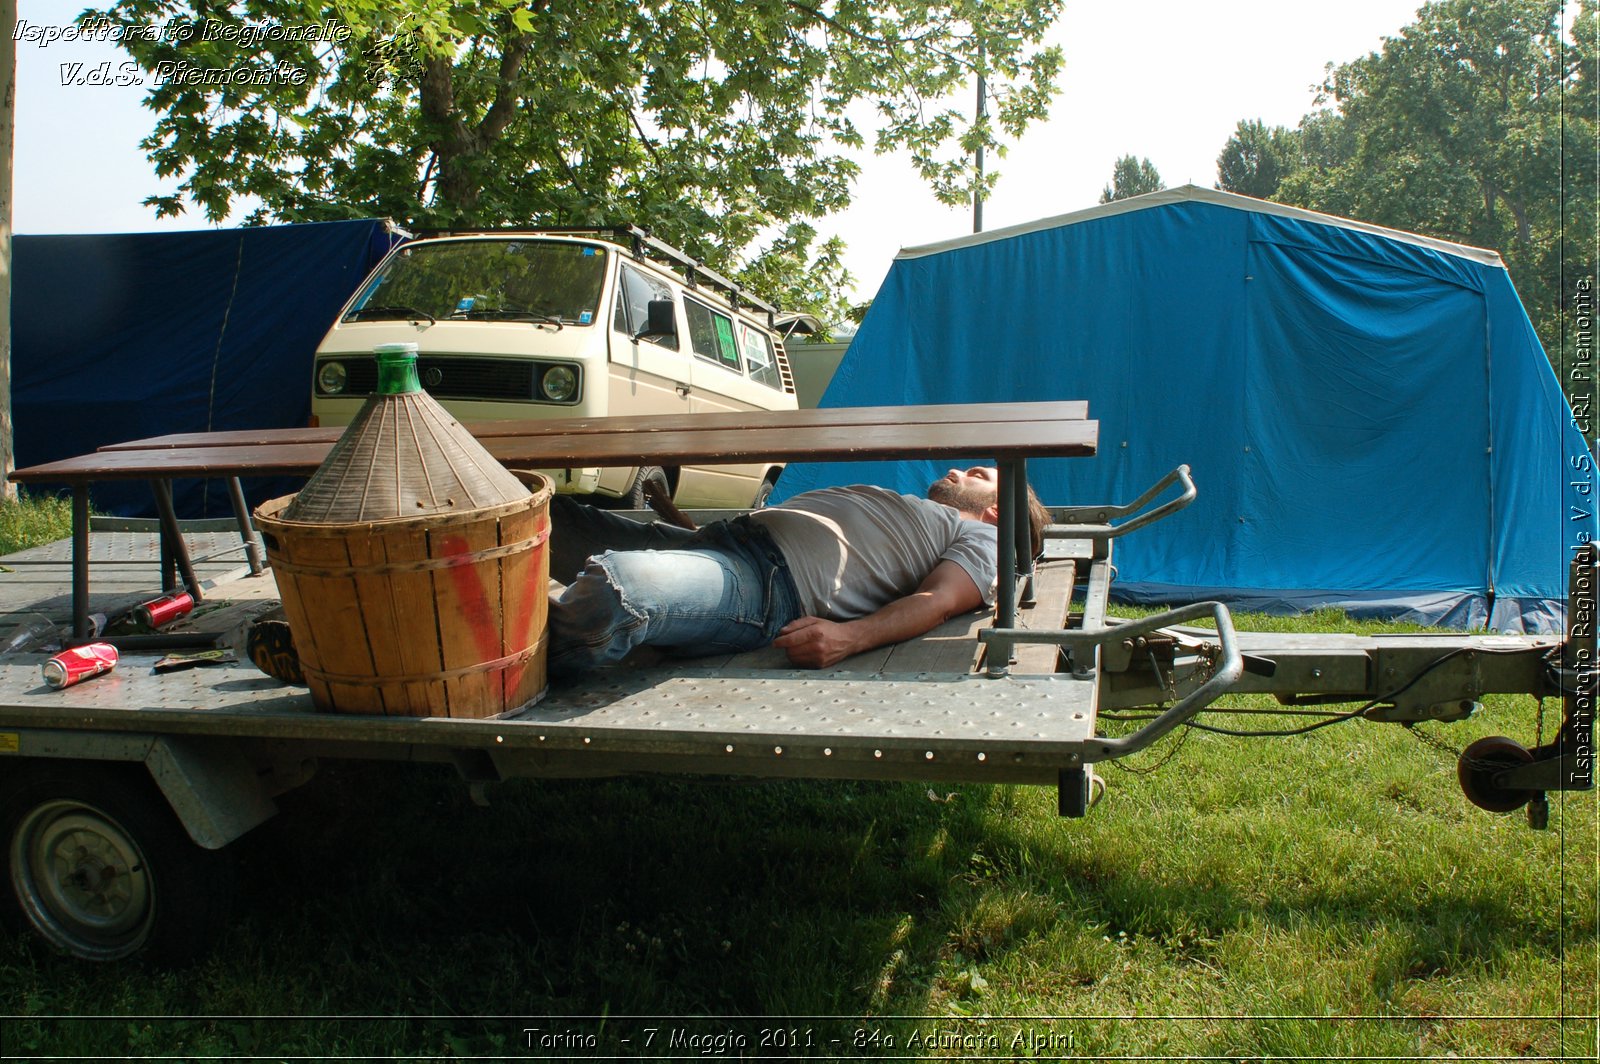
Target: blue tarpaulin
122	337
1369	416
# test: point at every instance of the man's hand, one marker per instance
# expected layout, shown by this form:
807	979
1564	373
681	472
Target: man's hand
815	643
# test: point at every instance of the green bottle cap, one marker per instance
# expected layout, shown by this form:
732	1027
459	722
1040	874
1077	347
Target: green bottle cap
397	369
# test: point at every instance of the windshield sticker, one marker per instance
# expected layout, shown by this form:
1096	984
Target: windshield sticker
588	251
465	304
585	318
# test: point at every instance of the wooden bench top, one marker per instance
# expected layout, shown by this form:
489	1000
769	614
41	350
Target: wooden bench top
776	436
839	417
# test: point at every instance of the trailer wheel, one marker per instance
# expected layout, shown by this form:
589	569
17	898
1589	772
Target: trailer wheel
99	867
1478	765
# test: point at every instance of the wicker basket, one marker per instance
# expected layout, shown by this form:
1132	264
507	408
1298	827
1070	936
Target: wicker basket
440	615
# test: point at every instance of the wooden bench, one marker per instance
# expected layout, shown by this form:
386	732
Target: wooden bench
1007	434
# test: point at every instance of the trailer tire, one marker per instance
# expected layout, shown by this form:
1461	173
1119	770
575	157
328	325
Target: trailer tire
1480	762
99	867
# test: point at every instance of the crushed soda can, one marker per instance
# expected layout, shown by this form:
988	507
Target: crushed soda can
164	610
79	663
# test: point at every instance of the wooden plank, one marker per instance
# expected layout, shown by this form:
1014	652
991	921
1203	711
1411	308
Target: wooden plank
715	447
412	594
387	629
337	637
1052	591
951	647
771	657
835	417
524	605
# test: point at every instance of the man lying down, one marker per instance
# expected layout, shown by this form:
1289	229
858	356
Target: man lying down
825	575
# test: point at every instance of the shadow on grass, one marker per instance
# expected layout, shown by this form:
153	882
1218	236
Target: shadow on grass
689	897
380	891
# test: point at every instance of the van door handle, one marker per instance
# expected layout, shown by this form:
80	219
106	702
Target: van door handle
682	390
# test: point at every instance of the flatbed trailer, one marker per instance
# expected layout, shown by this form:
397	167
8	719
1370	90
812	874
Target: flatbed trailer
117	793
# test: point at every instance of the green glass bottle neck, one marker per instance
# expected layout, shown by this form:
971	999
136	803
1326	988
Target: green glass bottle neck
397	373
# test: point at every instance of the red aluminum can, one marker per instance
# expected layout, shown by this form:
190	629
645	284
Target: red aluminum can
164	610
79	663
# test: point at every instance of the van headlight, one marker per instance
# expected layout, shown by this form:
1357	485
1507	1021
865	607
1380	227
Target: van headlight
559	384
331	378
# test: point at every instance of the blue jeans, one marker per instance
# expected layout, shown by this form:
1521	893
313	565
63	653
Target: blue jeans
724	588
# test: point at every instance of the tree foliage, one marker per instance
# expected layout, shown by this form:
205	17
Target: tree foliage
1131	177
1474	124
1255	159
717	123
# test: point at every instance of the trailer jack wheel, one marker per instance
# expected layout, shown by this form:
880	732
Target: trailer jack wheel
99	867
1481	762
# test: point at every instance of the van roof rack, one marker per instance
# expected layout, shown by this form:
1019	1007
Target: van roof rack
644	246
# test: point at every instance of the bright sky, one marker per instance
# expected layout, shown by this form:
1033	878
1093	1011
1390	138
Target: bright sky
1165	79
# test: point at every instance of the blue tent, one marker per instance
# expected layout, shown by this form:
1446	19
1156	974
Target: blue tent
1370	418
121	337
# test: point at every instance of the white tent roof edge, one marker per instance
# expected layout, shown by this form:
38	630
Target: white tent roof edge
1194	193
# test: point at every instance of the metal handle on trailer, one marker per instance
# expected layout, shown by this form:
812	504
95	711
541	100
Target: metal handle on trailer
1228	671
1015	556
1093	522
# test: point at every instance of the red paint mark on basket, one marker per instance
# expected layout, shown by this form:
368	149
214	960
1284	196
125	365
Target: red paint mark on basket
473	599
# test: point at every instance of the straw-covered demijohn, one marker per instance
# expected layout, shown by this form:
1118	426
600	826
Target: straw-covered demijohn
412	566
402	456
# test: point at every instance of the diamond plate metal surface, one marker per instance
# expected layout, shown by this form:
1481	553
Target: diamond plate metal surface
925	707
651	712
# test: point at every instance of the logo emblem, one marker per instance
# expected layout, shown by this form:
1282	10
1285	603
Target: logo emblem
432	376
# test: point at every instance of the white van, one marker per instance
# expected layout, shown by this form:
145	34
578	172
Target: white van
569	324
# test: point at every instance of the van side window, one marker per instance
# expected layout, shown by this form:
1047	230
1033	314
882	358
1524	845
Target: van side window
711	334
758	360
635	290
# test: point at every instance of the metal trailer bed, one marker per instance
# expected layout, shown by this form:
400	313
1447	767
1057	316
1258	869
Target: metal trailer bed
1009	699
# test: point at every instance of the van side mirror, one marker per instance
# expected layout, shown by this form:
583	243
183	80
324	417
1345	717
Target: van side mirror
660	320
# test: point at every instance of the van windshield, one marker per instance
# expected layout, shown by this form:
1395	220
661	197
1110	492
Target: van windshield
487	280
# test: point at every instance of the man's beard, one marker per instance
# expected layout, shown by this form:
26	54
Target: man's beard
967	498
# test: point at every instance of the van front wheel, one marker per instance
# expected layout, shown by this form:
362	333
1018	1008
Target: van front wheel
763	493
634	497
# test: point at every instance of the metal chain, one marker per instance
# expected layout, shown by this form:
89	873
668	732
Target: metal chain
1430	739
1149	770
1209	654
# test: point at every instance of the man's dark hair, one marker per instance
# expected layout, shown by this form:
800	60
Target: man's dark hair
1038	519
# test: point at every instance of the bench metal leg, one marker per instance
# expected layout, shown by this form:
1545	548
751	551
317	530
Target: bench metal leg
1023	531
80	561
247	531
1005	592
1014	557
168	560
169	527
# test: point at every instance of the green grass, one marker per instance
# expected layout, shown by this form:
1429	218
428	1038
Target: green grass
29	521
1327	896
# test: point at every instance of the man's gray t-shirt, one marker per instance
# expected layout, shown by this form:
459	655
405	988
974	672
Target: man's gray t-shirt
854	550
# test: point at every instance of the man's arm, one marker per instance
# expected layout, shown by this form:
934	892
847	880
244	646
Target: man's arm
812	642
